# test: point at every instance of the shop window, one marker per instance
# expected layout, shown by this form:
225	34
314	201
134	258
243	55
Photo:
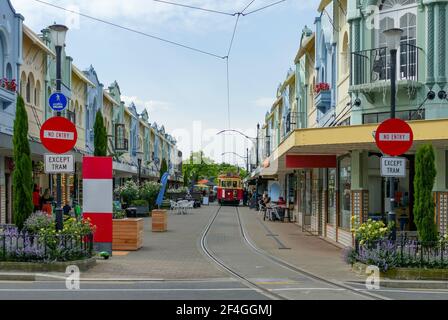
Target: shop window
345	188
331	212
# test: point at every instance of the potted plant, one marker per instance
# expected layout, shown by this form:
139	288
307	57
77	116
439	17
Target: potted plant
128	192
127	233
148	192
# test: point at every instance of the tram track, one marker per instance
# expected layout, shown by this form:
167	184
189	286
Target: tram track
277	261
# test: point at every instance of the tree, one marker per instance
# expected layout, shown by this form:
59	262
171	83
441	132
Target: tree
23	171
100	136
425	173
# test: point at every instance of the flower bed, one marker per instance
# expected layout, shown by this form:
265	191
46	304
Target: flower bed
374	248
40	242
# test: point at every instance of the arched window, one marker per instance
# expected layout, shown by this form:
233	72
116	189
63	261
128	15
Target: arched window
399	14
37	94
23	83
2	57
345	55
9	71
30	88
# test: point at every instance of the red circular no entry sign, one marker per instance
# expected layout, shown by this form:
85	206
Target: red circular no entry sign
58	135
394	137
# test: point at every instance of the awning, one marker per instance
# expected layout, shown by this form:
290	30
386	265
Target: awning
310	161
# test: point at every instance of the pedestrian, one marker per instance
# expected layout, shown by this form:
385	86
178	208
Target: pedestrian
245	195
36	199
46	202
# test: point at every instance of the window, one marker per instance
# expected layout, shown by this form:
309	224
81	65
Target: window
402	14
28	91
9	71
235	184
2	57
331	212
37	94
345	55
345	192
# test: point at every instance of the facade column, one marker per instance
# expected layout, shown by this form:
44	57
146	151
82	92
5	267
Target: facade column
441	41
2	191
360	192
430	55
441	190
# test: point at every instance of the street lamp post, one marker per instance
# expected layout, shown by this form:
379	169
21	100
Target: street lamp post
58	33
393	38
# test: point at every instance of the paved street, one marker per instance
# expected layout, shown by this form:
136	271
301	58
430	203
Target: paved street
174	265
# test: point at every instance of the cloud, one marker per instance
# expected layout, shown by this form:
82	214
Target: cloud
149	105
264	102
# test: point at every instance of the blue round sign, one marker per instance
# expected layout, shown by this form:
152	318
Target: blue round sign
58	101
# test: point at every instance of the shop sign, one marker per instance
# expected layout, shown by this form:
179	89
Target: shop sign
56	163
393	167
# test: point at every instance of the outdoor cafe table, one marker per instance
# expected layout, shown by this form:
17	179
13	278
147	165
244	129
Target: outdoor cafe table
287	210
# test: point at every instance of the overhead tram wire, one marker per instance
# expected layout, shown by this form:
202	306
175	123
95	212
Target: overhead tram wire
196	8
134	31
265	7
245	8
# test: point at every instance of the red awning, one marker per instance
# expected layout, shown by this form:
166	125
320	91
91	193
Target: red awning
310	161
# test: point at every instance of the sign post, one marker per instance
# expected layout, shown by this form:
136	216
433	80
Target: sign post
393	137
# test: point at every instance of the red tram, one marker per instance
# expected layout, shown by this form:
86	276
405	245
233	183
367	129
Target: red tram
230	190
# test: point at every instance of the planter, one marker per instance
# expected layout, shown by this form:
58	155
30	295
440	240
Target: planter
127	234
159	220
83	265
406	273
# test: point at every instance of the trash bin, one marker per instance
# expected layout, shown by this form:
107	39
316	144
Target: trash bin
131	212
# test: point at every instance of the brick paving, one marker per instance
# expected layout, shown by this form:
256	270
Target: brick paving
310	253
175	254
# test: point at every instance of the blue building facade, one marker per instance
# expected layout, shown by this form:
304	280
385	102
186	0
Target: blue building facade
10	62
94	103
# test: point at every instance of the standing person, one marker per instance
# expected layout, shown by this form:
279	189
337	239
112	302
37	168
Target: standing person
46	202
245	194
36	198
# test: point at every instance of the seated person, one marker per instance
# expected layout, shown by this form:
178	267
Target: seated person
281	201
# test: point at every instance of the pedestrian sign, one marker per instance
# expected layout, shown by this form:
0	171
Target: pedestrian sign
58	101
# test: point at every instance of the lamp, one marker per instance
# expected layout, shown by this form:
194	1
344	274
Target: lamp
58	33
393	38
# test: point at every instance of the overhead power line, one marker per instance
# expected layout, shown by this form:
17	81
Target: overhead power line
265	7
246	7
134	30
196	8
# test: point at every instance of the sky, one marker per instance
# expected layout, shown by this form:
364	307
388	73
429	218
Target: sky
183	90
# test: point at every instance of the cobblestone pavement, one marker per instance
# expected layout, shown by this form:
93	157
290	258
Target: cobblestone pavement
289	243
175	254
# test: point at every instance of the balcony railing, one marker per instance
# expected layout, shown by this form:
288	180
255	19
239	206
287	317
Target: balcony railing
373	66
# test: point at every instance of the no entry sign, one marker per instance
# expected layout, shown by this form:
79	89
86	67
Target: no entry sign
58	135
394	137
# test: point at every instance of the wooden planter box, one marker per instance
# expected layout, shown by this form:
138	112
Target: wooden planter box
159	220
127	234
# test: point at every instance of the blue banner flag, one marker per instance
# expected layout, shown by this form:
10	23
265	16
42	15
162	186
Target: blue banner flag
164	182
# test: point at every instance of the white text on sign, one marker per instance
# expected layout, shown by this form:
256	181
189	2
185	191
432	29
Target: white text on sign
59	135
395	137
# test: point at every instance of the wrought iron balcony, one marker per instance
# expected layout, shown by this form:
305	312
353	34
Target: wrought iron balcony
372	67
